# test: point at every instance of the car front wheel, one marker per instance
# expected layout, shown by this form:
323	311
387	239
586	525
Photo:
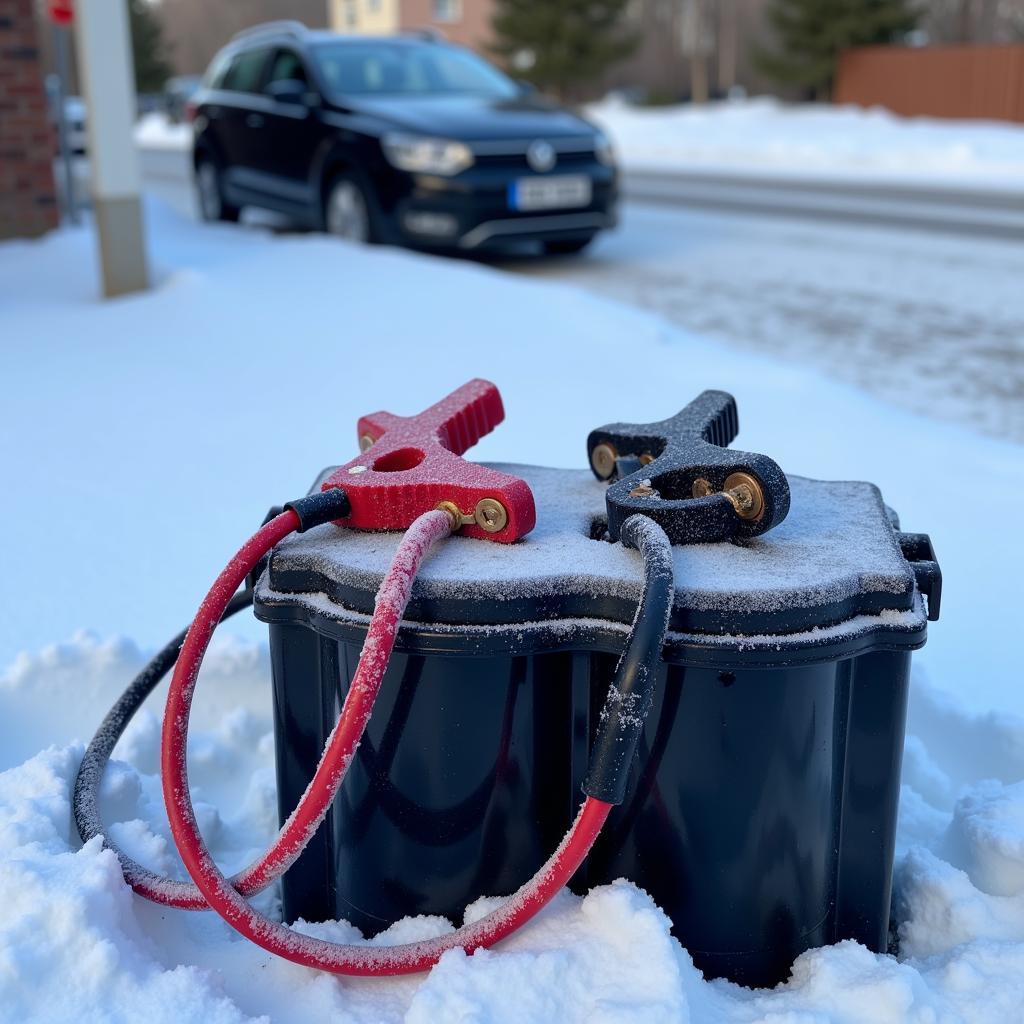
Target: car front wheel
212	206
347	211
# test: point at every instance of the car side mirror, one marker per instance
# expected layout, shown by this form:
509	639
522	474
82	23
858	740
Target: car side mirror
289	90
526	88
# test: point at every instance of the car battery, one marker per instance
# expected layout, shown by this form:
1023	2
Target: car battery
761	812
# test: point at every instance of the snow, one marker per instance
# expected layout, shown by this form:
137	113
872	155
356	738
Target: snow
929	322
142	439
835	545
75	945
765	137
157	131
172	421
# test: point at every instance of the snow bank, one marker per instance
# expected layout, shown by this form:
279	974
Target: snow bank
76	945
156	131
765	137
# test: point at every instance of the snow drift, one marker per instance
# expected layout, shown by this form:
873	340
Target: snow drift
764	137
75	944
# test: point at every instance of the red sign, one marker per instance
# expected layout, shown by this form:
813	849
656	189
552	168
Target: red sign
61	12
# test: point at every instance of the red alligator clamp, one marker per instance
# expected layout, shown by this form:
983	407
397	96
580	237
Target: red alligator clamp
412	464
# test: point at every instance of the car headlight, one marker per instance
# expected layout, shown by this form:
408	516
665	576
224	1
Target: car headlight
603	149
425	155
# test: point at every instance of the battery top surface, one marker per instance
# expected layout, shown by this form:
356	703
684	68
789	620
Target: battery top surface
831	571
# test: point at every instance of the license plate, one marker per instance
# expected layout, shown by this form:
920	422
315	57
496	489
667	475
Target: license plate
557	192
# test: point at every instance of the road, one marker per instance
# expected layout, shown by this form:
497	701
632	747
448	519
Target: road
918	300
983	213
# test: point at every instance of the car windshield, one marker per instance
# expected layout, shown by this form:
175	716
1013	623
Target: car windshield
403	69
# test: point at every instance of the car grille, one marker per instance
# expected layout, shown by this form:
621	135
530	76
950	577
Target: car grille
517	161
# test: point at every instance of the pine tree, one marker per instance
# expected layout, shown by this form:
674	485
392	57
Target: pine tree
569	42
149	52
812	33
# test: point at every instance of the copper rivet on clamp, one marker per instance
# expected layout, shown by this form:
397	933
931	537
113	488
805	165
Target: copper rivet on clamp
643	490
743	491
490	515
746	495
454	513
602	458
366	442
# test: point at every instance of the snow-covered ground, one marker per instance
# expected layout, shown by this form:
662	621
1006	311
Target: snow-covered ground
157	131
846	144
931	322
141	439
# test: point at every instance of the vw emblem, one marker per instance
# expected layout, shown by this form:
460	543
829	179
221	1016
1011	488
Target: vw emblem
541	155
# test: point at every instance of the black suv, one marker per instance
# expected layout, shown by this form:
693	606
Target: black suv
401	139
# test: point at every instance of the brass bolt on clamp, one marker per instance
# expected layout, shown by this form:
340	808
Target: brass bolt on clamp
643	490
743	491
490	515
602	458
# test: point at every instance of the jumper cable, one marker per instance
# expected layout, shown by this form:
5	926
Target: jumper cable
626	705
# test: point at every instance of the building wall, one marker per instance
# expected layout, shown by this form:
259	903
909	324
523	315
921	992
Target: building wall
469	23
936	81
28	199
370	17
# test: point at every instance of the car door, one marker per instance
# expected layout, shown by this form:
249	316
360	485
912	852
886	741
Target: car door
293	128
241	117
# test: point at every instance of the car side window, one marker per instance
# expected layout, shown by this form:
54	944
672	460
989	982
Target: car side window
245	72
218	71
287	66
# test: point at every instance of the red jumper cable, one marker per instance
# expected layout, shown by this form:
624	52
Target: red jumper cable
503	510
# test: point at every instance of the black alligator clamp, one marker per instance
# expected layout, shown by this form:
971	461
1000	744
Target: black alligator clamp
680	473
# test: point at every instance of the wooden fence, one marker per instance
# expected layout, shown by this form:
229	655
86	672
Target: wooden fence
935	81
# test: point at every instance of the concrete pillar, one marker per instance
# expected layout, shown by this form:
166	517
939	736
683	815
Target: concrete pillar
105	70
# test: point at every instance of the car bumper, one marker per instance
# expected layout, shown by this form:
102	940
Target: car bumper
472	211
540	227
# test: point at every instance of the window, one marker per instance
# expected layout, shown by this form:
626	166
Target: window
245	71
450	69
359	69
447	10
287	66
218	71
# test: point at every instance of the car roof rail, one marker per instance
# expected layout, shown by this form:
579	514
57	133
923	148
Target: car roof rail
280	28
428	34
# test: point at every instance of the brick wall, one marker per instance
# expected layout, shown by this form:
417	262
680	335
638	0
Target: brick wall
28	202
470	27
